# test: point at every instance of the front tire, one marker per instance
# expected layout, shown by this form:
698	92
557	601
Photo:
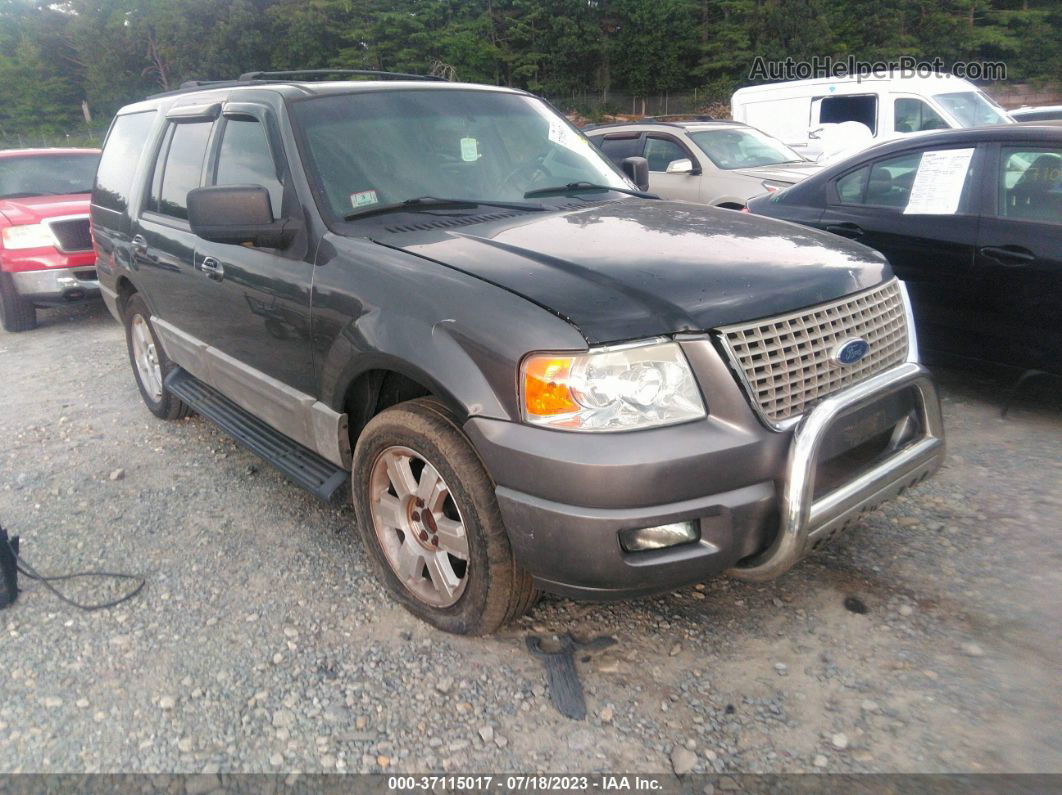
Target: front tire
149	361
427	513
16	313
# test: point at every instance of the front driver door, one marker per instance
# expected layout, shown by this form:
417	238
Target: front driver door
662	150
932	253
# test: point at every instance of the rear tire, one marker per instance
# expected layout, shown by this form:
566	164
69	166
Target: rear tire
16	313
436	538
149	361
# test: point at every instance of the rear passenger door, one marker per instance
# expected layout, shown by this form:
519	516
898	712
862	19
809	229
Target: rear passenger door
163	246
255	302
1019	256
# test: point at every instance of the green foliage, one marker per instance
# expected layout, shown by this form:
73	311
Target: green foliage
56	55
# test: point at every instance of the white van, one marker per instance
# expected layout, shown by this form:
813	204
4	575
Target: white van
802	112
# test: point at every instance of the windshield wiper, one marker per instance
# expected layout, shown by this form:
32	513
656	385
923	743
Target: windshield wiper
424	203
579	187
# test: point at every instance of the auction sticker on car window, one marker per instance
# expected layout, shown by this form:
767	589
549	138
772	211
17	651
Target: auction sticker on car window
938	184
363	198
469	149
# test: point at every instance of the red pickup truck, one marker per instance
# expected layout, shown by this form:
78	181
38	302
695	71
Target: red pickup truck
46	255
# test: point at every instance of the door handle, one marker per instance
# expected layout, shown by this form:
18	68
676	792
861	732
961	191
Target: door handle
1009	255
845	230
139	245
212	268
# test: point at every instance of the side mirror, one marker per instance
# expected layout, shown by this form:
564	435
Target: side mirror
237	214
683	166
637	171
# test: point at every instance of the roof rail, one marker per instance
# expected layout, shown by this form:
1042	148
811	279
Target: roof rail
679	117
304	74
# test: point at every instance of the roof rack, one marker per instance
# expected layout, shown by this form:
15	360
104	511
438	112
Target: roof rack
320	74
699	119
679	117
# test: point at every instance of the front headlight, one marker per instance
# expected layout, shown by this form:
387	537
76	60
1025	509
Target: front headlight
27	236
618	388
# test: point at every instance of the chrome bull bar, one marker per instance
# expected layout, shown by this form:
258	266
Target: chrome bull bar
805	520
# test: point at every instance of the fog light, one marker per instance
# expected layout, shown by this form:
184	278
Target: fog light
665	535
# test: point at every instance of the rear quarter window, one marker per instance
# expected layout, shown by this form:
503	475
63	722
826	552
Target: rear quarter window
121	153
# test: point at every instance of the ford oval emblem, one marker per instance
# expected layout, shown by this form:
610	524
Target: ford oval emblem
851	351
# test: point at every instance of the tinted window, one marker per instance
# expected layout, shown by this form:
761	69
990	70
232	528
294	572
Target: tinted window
619	149
114	179
850	187
246	159
46	175
891	180
184	165
863	109
660	151
914	115
1030	183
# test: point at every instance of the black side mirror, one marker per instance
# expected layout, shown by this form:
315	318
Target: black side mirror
637	170
237	214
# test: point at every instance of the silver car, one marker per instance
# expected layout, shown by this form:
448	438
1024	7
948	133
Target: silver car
721	163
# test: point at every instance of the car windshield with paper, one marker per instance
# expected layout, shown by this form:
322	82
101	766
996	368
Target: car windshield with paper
375	149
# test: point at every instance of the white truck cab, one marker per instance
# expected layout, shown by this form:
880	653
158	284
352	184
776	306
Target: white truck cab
805	113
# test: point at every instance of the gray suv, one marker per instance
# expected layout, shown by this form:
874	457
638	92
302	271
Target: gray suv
440	299
721	163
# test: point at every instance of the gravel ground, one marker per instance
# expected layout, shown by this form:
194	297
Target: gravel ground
263	643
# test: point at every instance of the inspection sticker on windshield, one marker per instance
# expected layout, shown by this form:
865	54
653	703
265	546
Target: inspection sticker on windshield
469	149
938	183
363	198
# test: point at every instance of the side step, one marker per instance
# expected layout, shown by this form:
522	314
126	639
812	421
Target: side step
317	475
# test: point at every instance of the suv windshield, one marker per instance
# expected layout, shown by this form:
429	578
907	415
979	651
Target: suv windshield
46	175
971	108
377	148
743	148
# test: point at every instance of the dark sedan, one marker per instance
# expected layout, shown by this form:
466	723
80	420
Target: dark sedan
971	220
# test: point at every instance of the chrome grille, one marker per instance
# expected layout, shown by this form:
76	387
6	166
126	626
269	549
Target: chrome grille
787	361
72	234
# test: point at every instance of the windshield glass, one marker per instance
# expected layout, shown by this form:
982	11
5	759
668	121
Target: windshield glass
743	147
972	108
378	148
46	175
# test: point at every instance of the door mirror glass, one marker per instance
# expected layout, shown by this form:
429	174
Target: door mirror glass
236	214
683	166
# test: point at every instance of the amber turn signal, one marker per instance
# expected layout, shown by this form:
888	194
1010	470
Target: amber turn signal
546	391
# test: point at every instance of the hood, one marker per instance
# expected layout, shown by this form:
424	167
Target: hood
783	172
34	209
641	268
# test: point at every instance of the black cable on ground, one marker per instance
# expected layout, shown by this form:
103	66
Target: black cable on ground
26	569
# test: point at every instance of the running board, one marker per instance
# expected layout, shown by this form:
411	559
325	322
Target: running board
306	468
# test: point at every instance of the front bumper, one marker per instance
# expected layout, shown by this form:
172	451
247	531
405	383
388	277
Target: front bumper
564	497
57	285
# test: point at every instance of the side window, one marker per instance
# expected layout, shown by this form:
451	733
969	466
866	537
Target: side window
851	186
661	151
1030	183
246	159
862	108
891	180
617	149
914	115
114	178
183	167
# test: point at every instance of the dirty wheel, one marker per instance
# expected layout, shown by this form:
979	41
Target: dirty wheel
427	512
150	365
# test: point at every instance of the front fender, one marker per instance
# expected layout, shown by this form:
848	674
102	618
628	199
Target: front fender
376	308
